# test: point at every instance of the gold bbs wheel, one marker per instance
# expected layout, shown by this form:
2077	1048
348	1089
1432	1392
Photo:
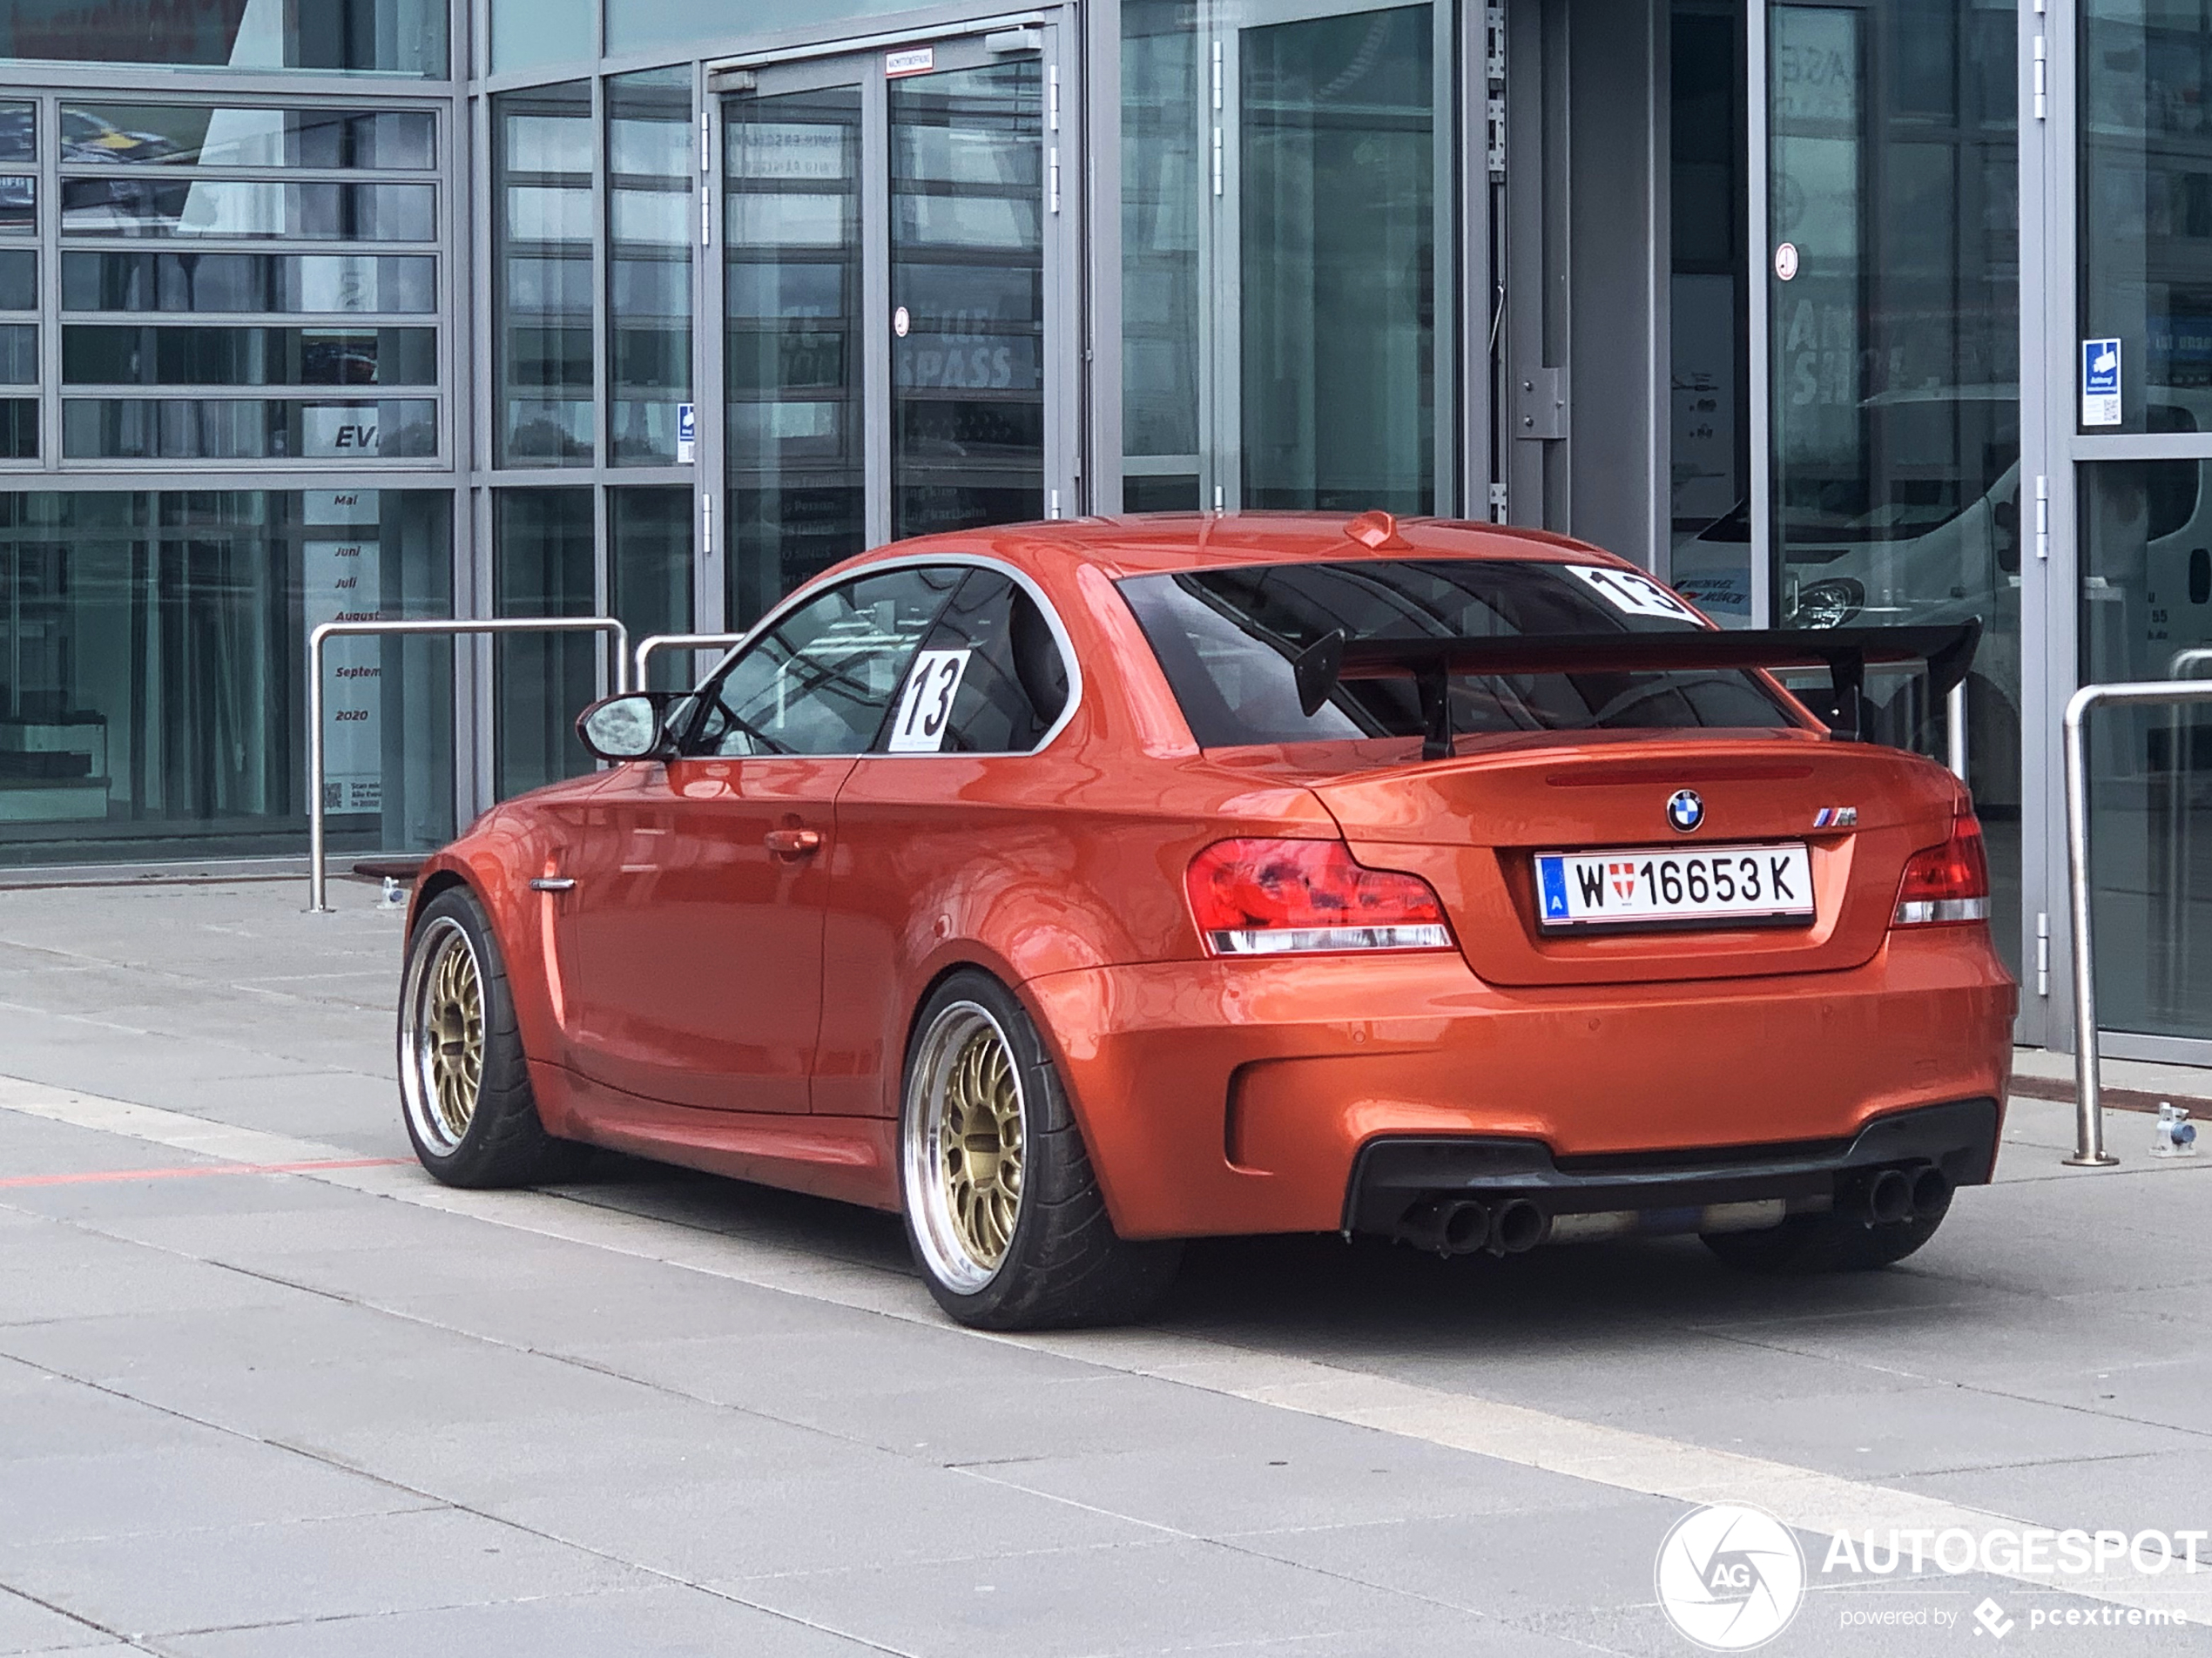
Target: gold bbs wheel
965	1138
443	1035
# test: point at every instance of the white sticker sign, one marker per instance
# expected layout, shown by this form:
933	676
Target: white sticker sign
926	712
1632	592
341	577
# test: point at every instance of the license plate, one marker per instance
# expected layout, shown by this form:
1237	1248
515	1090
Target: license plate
1643	886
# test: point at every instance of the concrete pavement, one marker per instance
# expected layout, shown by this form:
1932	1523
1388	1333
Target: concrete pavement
332	1407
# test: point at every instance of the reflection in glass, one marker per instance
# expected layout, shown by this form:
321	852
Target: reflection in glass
18	146
967	272
649	571
1708	305
215	356
1895	395
18	429
19	279
151	686
396	37
2146	209
177	135
543	276
18	353
542	566
191	429
793	438
652	215
1337	262
278	282
1162	342
525	33
2147	602
822	681
164	204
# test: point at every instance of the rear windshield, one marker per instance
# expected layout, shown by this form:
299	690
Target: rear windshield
1225	639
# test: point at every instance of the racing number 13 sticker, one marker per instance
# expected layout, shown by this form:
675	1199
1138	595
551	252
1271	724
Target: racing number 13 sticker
926	712
1632	593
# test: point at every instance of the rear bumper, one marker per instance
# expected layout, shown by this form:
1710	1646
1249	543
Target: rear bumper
1392	1175
1239	1096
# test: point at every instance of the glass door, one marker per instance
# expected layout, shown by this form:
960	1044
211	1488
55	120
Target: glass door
1893	387
1287	283
968	297
897	339
795	429
2133	406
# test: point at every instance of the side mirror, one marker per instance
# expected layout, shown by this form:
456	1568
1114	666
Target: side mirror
629	727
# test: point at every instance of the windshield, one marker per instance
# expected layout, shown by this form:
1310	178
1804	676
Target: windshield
1225	639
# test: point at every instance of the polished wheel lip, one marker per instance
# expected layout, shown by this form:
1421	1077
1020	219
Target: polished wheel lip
964	1187
441	1035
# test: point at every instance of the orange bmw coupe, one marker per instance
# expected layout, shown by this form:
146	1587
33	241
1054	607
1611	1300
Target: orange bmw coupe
1074	889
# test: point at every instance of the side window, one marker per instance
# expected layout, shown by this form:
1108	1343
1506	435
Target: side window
989	679
821	681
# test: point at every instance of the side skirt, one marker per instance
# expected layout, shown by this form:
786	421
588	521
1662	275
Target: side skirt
853	1160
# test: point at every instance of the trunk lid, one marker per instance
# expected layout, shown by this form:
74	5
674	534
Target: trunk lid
1473	825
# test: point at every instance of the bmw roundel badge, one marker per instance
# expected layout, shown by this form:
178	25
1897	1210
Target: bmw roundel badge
1685	810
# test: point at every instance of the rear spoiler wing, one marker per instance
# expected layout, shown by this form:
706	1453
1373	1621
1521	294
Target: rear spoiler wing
1430	663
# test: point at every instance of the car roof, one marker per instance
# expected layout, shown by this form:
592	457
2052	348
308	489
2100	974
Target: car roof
1154	543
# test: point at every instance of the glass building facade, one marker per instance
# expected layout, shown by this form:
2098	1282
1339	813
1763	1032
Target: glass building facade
1860	312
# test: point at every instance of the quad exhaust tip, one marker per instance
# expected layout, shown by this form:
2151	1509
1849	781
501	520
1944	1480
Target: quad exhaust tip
1465	1226
1448	1225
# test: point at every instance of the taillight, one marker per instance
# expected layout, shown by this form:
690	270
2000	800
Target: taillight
1946	883
1275	897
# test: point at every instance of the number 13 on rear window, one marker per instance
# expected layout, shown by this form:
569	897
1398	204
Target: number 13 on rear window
1632	593
925	711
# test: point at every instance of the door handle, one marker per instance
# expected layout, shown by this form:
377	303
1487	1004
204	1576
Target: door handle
793	843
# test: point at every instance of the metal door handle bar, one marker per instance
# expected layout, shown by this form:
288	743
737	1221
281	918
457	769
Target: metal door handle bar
2089	1125
316	891
795	842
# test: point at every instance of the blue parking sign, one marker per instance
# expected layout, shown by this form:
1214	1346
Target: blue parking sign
2101	382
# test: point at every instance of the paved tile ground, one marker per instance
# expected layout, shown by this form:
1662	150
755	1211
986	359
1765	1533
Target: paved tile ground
342	1411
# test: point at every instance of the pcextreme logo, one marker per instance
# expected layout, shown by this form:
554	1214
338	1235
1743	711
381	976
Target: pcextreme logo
1729	1577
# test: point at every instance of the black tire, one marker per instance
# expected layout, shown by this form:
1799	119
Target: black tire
1057	1262
495	1138
1831	1242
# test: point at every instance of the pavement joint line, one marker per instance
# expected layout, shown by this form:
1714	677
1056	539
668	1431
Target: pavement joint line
1806	1498
110	1176
74	1617
430	1502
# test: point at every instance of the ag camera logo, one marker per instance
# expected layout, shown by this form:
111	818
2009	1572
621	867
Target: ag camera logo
1731	1577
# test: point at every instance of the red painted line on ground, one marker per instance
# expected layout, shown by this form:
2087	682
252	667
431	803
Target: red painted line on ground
107	1175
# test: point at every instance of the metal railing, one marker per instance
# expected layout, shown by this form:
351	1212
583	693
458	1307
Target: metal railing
316	888
2089	1124
654	642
